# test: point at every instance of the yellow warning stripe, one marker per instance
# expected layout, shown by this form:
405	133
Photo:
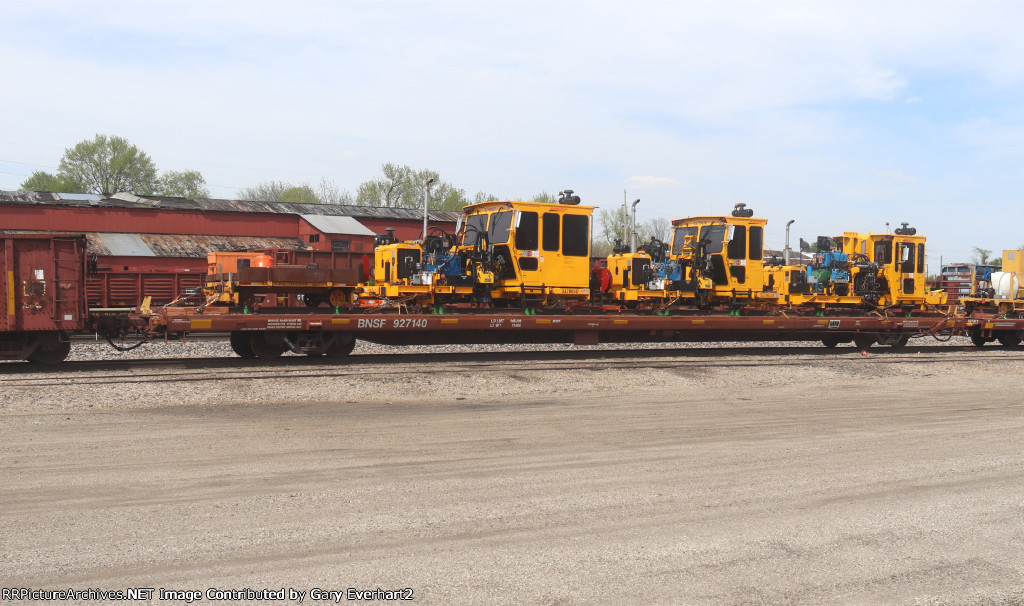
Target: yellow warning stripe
202	324
696	321
620	321
449	320
767	321
340	320
542	321
10	293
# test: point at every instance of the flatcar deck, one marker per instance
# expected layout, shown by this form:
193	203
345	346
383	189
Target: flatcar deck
516	327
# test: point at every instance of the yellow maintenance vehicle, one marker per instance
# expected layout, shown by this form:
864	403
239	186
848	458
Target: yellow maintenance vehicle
859	270
720	259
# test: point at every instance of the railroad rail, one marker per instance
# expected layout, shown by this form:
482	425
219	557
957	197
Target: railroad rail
157	370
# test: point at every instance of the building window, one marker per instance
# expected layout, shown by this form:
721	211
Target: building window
341	245
314	238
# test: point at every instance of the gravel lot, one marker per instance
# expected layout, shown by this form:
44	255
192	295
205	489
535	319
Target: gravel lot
737	479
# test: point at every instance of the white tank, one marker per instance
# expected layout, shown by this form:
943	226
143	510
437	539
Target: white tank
1005	284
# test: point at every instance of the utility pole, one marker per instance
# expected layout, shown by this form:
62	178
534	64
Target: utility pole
632	231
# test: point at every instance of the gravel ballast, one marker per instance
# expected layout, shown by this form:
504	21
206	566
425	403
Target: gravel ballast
739	478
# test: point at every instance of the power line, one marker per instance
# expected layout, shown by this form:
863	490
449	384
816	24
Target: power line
27	163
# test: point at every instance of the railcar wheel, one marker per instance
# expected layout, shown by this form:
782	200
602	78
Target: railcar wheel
864	341
1009	339
51	350
831	342
895	341
241	344
341	347
977	339
264	349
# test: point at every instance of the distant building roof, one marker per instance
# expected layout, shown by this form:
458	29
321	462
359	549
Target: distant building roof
126	200
125	245
174	245
329	224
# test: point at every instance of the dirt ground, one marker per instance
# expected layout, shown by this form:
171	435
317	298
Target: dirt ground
836	479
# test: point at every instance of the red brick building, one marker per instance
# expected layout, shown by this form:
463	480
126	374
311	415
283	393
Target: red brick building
157	245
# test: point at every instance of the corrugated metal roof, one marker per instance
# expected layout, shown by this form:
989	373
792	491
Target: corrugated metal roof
126	245
197	246
163	245
337	225
126	200
87	197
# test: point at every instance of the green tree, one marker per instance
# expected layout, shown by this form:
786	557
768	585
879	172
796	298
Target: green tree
106	165
327	192
264	191
403	187
615	223
302	194
658	227
44	181
980	256
446	196
183	184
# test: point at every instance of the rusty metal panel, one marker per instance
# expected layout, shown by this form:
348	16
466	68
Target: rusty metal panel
279	275
43	284
322	258
181	245
198	246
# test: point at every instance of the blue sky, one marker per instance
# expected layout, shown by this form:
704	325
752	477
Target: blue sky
843	116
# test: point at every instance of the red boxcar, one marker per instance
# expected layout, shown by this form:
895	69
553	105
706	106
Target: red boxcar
42	281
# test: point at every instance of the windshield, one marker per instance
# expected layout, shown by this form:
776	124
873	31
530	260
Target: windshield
500	224
715	235
679	239
475	226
